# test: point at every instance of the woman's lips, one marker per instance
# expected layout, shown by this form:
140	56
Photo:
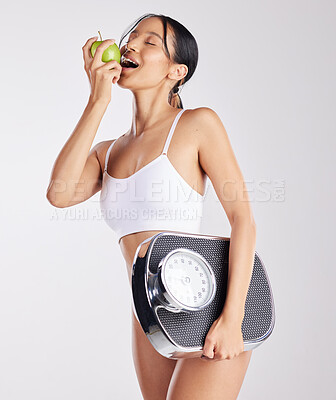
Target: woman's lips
127	68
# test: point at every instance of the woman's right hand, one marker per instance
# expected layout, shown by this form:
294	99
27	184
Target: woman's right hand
101	74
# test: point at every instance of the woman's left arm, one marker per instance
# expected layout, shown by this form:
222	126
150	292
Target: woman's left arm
218	161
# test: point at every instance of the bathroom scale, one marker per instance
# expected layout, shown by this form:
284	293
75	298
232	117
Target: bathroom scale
179	290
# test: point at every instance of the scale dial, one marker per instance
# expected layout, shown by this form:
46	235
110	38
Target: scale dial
186	280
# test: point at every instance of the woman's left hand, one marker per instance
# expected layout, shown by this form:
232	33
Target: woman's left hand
224	340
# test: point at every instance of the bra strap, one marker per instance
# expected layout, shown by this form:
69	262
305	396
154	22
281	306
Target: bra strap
108	153
172	129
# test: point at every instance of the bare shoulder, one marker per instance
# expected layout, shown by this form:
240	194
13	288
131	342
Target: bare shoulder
100	149
205	116
210	126
203	119
206	127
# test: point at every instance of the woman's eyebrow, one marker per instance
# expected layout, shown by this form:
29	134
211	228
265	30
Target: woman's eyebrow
153	33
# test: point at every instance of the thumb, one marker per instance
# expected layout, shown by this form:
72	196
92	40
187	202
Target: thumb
208	349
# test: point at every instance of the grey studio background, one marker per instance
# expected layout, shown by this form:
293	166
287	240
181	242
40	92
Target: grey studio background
268	69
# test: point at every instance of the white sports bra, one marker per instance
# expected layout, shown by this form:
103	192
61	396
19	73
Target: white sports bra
155	197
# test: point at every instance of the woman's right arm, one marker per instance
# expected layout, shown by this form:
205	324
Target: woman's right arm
77	169
76	174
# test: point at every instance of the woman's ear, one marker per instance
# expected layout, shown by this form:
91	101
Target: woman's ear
179	72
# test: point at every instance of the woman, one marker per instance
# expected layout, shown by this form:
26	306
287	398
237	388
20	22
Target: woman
164	55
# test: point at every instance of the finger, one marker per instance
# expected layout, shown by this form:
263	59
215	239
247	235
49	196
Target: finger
208	351
106	42
88	44
89	41
111	69
220	356
86	48
116	79
113	64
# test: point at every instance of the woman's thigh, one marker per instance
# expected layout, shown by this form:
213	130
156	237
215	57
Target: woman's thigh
153	370
199	379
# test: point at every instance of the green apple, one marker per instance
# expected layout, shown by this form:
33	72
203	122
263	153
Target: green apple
109	54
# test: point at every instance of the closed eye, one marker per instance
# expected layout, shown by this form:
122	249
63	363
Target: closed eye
145	42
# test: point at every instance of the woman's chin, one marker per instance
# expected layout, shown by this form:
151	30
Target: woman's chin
122	85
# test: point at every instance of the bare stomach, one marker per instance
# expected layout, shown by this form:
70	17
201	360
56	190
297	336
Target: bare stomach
129	244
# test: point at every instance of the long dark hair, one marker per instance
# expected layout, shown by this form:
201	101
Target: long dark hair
186	51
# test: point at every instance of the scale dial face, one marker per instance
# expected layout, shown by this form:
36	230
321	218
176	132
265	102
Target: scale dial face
188	279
